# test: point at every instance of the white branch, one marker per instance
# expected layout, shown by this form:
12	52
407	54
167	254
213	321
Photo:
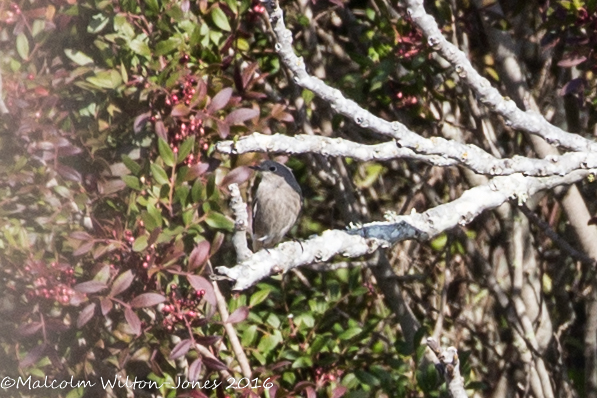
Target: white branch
326	146
468	155
449	366
361	241
241	217
529	121
3	108
485	164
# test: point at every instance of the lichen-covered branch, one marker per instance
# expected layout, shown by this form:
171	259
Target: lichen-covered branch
338	147
468	155
326	146
241	223
363	240
529	121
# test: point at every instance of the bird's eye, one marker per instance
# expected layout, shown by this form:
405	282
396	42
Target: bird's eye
272	168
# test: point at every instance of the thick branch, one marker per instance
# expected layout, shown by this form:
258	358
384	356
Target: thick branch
361	241
468	155
278	143
529	121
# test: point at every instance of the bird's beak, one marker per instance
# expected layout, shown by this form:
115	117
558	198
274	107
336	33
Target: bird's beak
255	168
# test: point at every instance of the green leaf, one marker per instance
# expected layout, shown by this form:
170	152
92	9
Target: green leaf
268	343
197	192
366	378
249	336
132	182
188	216
258	297
302	362
78	57
319	343
350	333
233	6
167	46
131	164
155	214
106	79
220	19
219	221
166	152
23	46
140	243
148	221
153	6
140	47
186	148
98	22
159	174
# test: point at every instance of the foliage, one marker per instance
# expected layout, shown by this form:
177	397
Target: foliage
113	203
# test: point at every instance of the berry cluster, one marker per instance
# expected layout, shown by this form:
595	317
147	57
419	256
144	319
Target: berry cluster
144	259
51	283
184	126
181	310
257	9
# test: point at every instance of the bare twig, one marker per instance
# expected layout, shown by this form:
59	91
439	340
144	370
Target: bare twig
448	366
237	347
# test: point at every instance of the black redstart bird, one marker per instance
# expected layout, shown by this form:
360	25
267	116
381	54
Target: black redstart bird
277	204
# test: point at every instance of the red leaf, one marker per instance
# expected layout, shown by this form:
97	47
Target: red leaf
180	110
80	235
181	349
285	117
223	129
201	90
84	248
214	364
147	300
238	175
216	243
28	329
220	100
339	391
122	283
69	150
574	86
68	173
200	283
571	60
160	130
241	115
85	315
140	121
248	73
153	236
199	255
90	287
133	320
106	306
195	369
239	315
207	340
33	355
196	170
